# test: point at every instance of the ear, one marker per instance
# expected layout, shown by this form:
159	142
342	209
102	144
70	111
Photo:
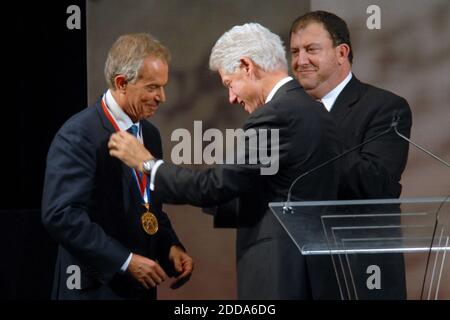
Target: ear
120	83
342	50
248	66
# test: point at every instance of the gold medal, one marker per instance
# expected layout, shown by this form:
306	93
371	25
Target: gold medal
149	221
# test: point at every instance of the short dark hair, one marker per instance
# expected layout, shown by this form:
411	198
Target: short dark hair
336	27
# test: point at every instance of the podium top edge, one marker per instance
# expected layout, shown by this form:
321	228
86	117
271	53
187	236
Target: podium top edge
361	202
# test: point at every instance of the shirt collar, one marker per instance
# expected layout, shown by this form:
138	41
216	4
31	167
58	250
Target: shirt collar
277	86
329	99
122	119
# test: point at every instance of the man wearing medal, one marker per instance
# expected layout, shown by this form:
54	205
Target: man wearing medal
108	225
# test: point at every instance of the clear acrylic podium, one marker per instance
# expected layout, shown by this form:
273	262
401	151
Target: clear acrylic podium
371	244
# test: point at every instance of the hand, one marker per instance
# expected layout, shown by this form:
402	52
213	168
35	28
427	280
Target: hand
128	149
183	264
148	272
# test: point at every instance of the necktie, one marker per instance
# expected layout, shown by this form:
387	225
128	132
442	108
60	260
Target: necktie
323	104
133	130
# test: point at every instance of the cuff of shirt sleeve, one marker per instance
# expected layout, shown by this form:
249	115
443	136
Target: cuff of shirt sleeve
126	263
153	174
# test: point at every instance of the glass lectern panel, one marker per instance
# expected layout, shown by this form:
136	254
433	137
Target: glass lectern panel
377	249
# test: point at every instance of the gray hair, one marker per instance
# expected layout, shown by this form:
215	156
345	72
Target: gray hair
250	40
127	54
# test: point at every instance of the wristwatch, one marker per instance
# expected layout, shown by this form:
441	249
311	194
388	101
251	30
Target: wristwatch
148	165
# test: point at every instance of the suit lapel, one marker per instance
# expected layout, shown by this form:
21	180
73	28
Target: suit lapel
346	100
127	175
103	119
146	136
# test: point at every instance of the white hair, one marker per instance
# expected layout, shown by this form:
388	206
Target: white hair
250	40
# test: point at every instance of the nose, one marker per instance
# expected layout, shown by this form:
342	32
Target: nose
161	96
303	58
232	97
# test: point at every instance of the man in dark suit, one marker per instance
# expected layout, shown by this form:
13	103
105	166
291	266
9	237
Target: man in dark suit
111	246
321	61
252	64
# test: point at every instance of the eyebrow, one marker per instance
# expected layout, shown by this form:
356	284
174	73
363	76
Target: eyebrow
306	46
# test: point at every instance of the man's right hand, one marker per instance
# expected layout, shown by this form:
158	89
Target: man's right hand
148	272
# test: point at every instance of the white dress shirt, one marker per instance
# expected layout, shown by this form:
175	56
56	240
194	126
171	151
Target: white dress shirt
330	98
276	87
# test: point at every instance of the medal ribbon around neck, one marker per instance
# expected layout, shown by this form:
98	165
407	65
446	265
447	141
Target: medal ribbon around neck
148	219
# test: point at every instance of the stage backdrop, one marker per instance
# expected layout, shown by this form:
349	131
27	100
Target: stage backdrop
409	55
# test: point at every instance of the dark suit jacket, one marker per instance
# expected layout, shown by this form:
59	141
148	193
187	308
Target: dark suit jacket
91	206
269	265
361	111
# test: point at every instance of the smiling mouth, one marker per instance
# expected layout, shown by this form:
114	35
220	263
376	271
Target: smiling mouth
307	71
151	109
